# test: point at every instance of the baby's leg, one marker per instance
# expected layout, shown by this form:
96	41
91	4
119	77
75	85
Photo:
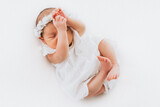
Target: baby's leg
96	83
106	50
102	90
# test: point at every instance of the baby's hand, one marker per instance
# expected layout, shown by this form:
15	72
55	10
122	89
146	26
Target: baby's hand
60	23
58	12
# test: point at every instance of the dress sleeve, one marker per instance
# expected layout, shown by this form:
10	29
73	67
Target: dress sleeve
47	50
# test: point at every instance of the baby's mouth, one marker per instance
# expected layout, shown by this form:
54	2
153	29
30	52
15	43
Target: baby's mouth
70	44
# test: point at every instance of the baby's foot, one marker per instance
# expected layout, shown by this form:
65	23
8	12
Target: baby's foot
114	73
106	64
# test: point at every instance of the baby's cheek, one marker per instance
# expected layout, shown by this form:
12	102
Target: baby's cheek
70	34
53	44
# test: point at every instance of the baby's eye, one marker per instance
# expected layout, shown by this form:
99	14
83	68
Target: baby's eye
54	35
67	28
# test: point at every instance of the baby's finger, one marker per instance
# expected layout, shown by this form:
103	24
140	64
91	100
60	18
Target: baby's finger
57	18
61	18
62	13
64	20
54	15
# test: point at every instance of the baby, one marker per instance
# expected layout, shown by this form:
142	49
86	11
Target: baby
84	66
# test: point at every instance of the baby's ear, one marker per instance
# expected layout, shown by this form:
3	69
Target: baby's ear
42	39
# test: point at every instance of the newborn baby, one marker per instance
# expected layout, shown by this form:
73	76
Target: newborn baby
85	66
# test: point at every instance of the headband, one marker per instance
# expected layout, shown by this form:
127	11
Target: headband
41	24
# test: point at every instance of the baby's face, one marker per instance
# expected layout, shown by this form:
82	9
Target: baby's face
50	36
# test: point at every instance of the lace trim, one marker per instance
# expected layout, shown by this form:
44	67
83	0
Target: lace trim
47	50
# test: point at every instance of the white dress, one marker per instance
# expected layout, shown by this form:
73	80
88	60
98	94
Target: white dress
81	65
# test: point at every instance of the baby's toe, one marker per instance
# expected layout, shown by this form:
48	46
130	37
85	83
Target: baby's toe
115	77
100	58
108	78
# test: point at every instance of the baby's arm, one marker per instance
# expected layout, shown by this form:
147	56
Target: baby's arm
77	25
62	43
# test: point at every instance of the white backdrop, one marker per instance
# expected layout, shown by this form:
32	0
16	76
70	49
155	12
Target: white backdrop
28	80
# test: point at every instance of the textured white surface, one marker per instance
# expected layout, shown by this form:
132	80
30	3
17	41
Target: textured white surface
27	79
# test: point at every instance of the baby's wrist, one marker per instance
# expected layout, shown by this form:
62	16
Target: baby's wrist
68	21
62	31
